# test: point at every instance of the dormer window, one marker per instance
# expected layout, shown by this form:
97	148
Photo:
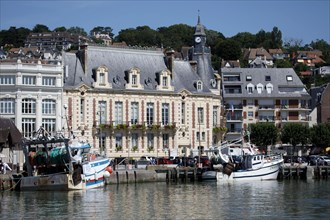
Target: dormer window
164	80
260	87
101	77
269	88
199	86
250	88
288	78
133	79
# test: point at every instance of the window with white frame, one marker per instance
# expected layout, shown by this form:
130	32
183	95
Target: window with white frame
102	78
28	127
134	79
165	113
199	86
134	140
289	78
250	89
215	115
150	113
28	106
118	113
202	138
260	87
164	81
102	112
269	88
29	80
183	113
48	107
82	109
7	80
134	112
119	140
150	139
165	141
48	81
49	124
250	114
7	106
250	102
200	115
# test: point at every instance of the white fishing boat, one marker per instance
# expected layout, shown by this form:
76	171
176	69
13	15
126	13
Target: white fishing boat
246	163
59	164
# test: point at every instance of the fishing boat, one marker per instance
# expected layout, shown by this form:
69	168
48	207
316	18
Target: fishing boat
247	163
58	163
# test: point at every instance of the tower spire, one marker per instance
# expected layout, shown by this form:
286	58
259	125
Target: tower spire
199	19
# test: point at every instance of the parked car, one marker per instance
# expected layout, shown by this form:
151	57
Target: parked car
204	160
323	160
162	160
142	164
313	160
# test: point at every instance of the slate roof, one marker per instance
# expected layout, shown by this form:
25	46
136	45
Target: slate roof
252	53
316	95
120	60
9	132
199	29
281	86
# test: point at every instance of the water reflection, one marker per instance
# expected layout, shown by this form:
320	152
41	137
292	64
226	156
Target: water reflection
211	200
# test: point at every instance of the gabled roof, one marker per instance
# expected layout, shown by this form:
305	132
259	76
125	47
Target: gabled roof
230	63
252	53
9	132
275	51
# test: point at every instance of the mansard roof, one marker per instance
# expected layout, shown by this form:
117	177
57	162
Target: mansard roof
120	60
282	87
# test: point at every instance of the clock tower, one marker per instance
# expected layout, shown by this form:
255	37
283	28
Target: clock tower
201	54
199	36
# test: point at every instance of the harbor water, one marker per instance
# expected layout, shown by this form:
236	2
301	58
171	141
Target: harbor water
200	200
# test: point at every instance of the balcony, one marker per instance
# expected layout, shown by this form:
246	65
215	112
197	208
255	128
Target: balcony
134	125
234	117
266	118
238	106
234	130
266	107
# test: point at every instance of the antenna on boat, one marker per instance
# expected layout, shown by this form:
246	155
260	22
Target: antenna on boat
70	132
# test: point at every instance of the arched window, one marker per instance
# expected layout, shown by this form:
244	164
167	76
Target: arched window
48	106
28	106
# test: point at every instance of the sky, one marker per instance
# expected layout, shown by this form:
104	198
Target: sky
304	20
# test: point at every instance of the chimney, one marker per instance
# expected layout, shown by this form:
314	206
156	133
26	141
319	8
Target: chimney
170	60
84	57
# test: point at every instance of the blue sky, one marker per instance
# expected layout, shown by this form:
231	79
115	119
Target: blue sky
306	20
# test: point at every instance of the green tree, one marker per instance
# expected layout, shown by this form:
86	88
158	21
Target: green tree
101	30
40	28
320	135
263	134
323	46
300	67
176	36
228	50
60	29
77	30
283	63
295	134
276	38
140	36
14	36
245	39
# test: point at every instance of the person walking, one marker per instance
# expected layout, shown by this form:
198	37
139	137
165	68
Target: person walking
4	167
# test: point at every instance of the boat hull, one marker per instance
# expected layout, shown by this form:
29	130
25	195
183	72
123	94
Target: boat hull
267	172
92	177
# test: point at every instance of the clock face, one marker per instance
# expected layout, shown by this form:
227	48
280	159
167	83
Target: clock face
198	39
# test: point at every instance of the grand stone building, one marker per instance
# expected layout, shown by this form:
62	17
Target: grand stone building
133	102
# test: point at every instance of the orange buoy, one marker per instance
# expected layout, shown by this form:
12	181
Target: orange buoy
109	169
